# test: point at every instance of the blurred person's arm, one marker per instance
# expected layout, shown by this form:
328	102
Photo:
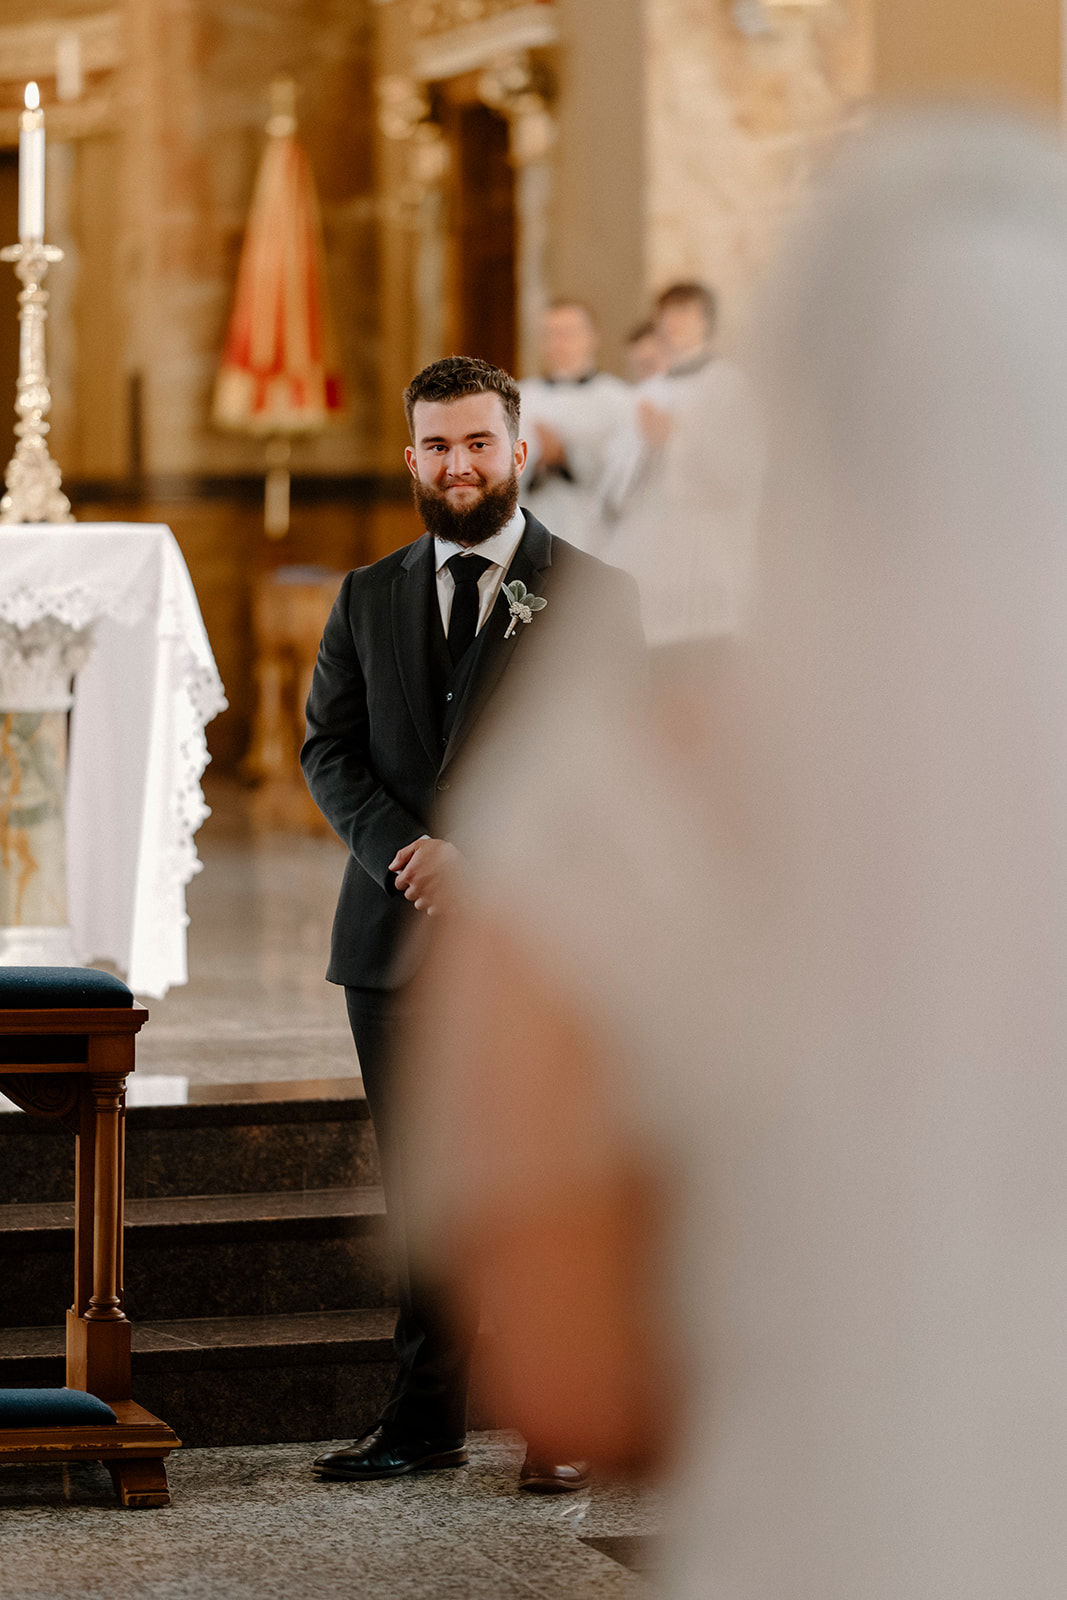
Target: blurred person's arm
655	424
535	1208
627	452
552	452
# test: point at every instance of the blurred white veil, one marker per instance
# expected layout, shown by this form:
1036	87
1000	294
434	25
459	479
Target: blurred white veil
826	929
891	1417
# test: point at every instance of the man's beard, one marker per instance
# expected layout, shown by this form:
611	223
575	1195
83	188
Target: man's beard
472	524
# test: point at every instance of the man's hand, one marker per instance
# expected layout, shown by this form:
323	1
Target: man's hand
656	425
425	874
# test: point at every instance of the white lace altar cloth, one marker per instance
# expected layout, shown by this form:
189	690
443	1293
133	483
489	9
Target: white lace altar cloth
137	744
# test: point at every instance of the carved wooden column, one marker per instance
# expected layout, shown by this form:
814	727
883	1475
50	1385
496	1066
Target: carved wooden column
106	1303
98	1333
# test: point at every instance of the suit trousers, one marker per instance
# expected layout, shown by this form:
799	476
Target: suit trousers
429	1397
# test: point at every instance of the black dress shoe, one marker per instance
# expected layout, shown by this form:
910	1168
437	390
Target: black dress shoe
379	1456
561	1477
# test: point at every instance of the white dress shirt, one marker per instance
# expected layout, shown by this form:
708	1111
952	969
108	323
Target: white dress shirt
500	550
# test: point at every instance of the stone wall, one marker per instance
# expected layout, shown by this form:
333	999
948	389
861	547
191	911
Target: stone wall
736	121
1012	49
198	74
598	246
683	143
151	170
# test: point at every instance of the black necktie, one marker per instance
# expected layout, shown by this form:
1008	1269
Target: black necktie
466	603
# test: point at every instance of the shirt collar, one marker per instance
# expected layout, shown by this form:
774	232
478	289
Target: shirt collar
571	383
500	548
694	363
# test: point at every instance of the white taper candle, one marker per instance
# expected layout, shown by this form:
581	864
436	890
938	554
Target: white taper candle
31	167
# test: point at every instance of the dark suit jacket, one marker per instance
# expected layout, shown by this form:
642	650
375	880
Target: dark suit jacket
374	757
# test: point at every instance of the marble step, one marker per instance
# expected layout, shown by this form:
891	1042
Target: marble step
240	1380
232	1255
232	1139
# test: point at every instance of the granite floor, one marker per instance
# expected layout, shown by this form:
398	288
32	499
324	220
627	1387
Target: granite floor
257	1008
255	1524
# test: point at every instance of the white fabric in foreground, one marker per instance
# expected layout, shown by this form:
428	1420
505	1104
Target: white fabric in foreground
137	732
825	923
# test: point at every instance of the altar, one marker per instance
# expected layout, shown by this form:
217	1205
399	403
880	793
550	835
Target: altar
115	600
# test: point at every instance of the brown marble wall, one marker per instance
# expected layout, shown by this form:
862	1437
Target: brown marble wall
1012	48
688	130
736	122
598	245
150	176
683	143
198	72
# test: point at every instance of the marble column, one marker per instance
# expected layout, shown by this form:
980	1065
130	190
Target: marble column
428	164
37	667
533	136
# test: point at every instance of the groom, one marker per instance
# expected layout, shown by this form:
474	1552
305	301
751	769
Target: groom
417	648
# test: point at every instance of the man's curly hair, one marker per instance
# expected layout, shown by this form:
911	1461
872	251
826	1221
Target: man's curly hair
456	376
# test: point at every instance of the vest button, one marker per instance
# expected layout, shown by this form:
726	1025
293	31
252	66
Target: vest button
449	695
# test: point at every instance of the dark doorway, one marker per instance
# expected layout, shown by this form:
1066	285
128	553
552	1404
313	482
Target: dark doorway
483	236
9	288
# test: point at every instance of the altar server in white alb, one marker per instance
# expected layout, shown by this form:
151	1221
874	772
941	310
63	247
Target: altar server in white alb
569	415
680	497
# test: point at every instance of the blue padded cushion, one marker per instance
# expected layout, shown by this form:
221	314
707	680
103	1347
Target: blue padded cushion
52	988
52	1408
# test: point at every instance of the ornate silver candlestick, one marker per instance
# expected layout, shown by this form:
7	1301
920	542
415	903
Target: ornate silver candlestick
33	479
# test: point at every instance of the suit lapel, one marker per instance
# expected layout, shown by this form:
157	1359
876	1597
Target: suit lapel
530	563
414	591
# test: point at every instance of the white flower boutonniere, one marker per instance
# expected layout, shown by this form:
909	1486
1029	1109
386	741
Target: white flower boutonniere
522	605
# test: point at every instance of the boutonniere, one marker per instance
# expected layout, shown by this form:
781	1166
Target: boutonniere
521	604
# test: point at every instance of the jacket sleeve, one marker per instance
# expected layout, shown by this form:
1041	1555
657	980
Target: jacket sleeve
336	755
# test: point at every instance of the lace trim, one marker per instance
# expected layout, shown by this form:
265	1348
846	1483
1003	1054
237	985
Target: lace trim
198	697
80	603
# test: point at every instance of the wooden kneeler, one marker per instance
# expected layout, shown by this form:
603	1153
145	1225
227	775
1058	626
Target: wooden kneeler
67	1038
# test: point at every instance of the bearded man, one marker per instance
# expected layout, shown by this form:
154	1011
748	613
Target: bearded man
418	650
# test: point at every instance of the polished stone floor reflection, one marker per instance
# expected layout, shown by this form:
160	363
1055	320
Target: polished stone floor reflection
256	1009
254	1524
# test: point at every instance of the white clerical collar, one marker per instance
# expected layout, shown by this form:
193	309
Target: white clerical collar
500	548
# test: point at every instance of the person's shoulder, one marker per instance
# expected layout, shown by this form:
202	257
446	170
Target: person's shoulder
595	592
385	569
568	554
562	554
591	569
